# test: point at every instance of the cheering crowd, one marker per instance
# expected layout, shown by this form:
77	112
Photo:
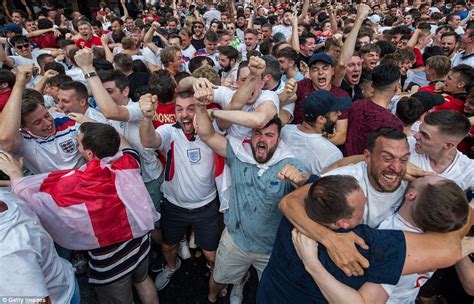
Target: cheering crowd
327	145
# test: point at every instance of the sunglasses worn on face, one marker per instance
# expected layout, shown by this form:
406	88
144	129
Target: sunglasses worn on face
22	46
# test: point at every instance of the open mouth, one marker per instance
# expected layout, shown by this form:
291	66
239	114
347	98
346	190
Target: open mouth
322	82
390	178
261	149
187	123
355	77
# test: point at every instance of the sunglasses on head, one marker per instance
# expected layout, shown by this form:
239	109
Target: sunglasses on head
22	46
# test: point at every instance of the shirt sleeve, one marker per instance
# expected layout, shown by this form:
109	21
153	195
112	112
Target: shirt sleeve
165	132
269	96
223	96
134	112
21	276
389	289
387	256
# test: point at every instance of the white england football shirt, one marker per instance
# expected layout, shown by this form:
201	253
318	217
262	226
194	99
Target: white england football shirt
313	150
56	152
379	205
190	168
408	286
461	170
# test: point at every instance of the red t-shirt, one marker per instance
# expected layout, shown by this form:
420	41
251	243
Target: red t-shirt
419	58
364	117
451	103
305	87
82	43
165	114
4	98
45	41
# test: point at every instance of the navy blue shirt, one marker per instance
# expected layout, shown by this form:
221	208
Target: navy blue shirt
285	279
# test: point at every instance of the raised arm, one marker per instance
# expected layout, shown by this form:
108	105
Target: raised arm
340	246
304	11
125	10
4	58
107	105
109	56
295	39
349	45
243	95
28	10
255	120
206	132
149	37
148	137
42	82
332	19
231	9
7	11
10	119
413	39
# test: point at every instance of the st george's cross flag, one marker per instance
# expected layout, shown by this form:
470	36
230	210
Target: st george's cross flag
104	202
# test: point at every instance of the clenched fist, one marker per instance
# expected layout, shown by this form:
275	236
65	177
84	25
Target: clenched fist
147	104
256	66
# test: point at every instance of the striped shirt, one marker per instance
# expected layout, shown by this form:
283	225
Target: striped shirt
111	263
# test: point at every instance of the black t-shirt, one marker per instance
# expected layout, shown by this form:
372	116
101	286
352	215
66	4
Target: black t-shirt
285	279
355	93
135	81
302	57
198	44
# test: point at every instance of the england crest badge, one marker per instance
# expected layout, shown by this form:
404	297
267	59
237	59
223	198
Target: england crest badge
194	155
68	146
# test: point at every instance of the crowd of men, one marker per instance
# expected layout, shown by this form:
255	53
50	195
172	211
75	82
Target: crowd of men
328	146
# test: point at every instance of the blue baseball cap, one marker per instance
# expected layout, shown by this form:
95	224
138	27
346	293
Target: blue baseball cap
320	57
11	27
321	102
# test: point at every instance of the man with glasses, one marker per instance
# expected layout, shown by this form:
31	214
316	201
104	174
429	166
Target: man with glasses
22	47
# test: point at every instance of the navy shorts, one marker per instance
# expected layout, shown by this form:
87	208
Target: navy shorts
205	221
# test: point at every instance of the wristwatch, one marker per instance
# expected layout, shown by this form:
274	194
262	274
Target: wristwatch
89	75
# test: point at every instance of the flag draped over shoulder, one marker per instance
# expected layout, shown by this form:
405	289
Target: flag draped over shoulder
104	202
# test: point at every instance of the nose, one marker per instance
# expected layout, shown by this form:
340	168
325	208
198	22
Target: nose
396	166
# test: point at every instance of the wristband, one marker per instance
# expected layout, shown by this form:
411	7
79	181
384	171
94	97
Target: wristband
89	75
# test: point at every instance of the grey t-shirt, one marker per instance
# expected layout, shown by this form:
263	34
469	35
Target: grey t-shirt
253	216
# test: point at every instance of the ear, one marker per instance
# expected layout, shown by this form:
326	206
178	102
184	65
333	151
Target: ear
449	145
321	119
83	102
461	84
366	155
410	195
126	91
89	154
342	224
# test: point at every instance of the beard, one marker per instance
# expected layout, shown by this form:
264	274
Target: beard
226	68
329	127
267	157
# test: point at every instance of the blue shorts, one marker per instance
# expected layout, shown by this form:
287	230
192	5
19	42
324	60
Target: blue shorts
205	221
